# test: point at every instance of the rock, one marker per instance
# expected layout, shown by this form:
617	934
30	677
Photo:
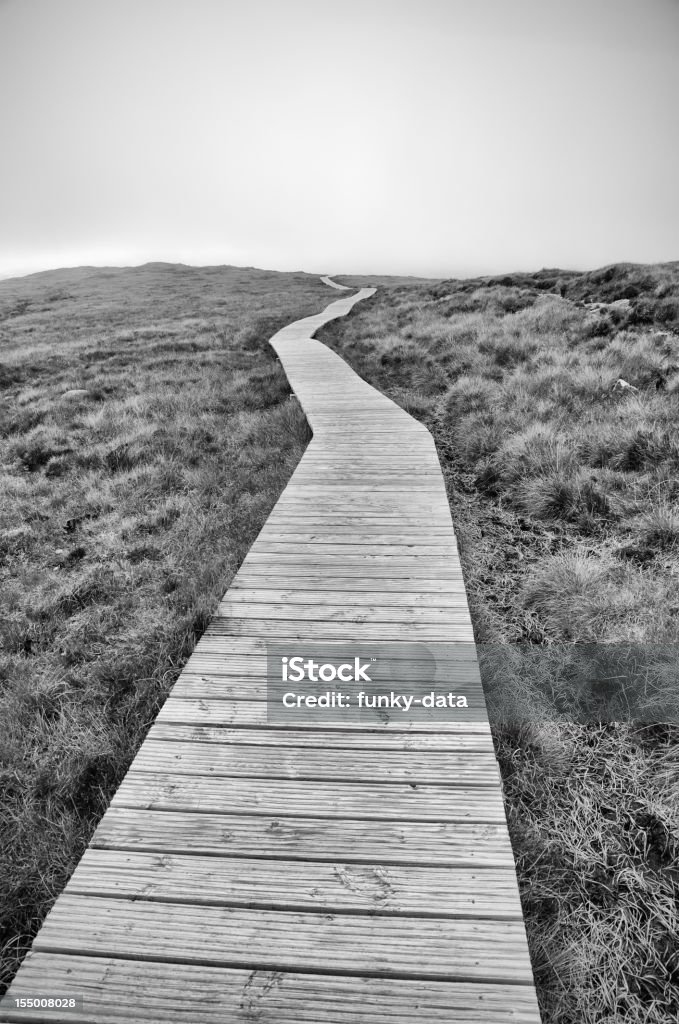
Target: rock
74	394
622	385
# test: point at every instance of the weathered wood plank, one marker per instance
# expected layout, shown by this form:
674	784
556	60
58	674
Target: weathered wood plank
407	585
134	992
237	686
241	595
332	887
307	519
380	946
305	838
287	798
377	577
324	739
254	647
298	532
442	550
298	629
377	501
346	611
207	711
252	761
288	532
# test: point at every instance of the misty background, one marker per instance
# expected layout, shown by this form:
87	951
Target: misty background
437	137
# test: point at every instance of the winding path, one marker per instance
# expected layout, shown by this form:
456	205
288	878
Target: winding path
333	284
328	871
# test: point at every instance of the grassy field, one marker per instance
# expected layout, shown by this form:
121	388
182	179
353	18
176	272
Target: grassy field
565	494
145	433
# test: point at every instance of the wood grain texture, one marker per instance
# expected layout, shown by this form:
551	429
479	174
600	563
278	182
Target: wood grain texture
247	713
325	739
119	991
369	801
329	887
378	946
309	763
458	844
323	870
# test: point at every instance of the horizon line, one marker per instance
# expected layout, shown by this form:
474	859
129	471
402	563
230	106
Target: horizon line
312	273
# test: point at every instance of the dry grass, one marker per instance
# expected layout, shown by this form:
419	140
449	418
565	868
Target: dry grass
565	495
124	514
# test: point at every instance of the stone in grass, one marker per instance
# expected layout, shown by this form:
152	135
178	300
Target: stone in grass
75	394
623	386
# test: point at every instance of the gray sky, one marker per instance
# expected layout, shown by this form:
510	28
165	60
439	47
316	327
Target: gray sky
435	137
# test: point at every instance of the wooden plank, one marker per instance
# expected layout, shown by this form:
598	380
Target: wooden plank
449	655
237	679
305	838
407	585
362	500
254	687
422	458
216	648
321	463
310	518
422	444
399	654
301	531
240	596
447	666
366	559
234	659
370	577
256	648
324	739
352	541
378	946
209	687
123	991
348	611
330	479
361	800
361	549
330	887
297	532
308	630
324	462
253	761
208	711
391	519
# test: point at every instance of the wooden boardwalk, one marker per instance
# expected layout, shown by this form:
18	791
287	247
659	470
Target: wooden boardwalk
328	872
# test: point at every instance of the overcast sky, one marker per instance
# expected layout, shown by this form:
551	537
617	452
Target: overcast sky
434	137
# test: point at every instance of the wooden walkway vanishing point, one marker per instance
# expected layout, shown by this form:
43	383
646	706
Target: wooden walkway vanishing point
329	874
